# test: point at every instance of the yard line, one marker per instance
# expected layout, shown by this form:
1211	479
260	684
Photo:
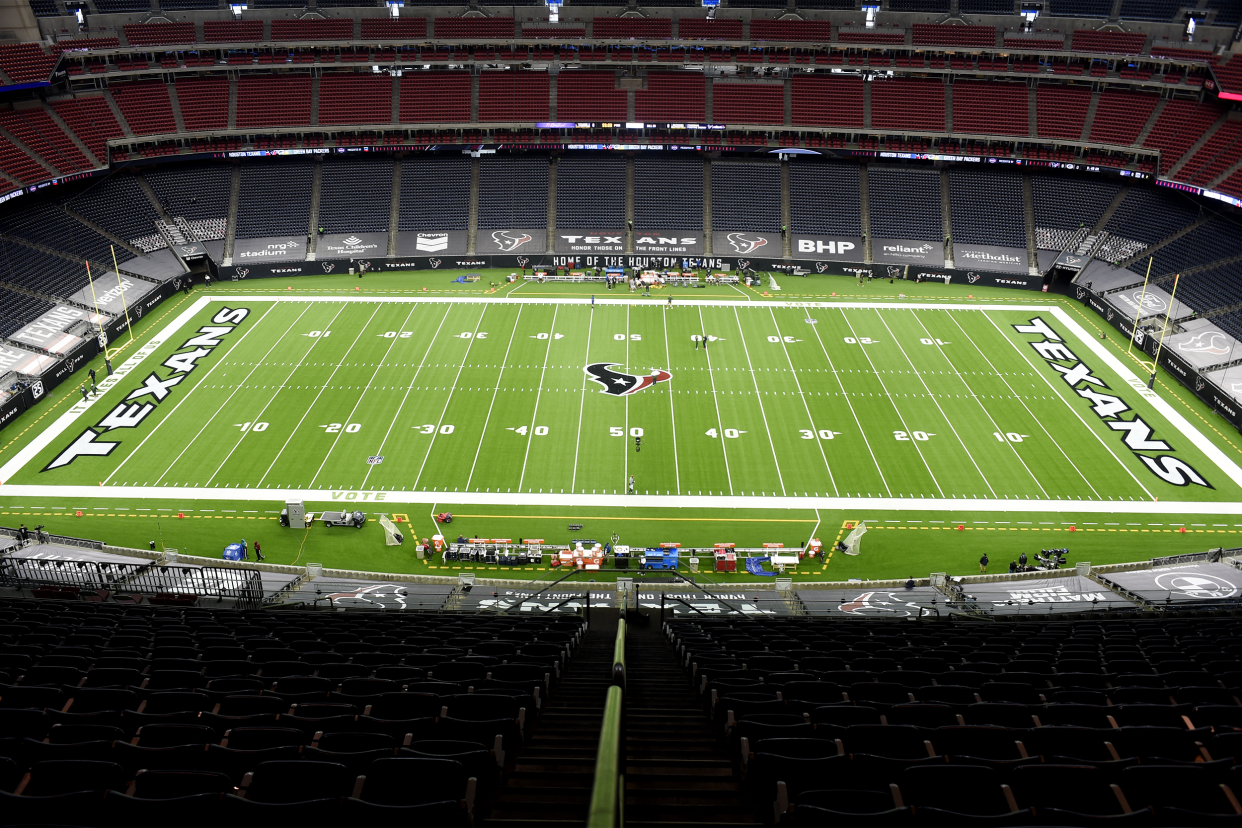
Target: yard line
259	416
449	398
1057	391
668	365
932	397
978	401
759	398
217	364
573	483
832	367
337	440
531	436
1024	405
322	388
890	401
719	424
625	447
422	362
499	378
805	406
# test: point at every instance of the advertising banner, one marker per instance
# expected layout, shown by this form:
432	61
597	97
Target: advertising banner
23	361
111	295
977	278
831	248
1152	301
518	242
1179	584
193	252
159	266
1070	593
431	243
270	249
668	242
764	245
350	245
907	251
47	332
1203	348
1004	259
16	404
64	370
569	240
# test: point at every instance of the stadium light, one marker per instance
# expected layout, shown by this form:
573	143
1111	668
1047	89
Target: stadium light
554	10
871	10
394	7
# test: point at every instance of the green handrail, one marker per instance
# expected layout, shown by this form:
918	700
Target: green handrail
606	795
618	656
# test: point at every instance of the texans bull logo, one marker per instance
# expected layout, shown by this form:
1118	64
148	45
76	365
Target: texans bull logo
822	267
972	277
328	267
240	273
619	384
746	243
523	261
508	240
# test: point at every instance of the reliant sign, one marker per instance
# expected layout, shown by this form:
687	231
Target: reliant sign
907	251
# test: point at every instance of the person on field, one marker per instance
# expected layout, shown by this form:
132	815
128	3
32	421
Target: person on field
1022	559
983	563
258	553
92	373
82	391
631	484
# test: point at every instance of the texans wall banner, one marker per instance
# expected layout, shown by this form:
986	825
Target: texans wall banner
744	245
515	242
431	243
589	241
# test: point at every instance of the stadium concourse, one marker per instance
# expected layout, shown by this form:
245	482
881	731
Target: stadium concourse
757	347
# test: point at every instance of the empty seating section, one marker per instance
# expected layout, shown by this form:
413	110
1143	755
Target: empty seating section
1082	8
145	106
455	28
18	309
1063	206
668	194
700	28
38	271
273	100
36	129
987	207
626	28
890	38
189	716
905	203
26	62
1121	116
1178	127
19	166
808	31
986	6
513	96
435	97
91	119
513	193
999	108
1149	214
159	34
44	8
233	31
1061	110
1221	152
84	43
435	194
197	192
355	98
1228	13
908	104
394	28
1109	43
1216	239
928	34
827	101
746	195
825	199
554	33
333	28
50	226
1156	10
355	195
204	102
274	199
748	103
118	205
590	193
589	96
671	96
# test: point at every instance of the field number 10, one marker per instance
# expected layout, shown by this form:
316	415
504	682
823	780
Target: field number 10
1010	436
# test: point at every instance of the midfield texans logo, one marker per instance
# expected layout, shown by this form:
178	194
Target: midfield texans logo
620	385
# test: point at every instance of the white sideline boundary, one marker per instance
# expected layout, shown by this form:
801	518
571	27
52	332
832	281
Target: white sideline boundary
1173	417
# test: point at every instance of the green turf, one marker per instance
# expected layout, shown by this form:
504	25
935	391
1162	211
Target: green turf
780	384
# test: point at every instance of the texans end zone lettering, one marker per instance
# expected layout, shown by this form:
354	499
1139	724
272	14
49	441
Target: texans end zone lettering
153	391
1135	433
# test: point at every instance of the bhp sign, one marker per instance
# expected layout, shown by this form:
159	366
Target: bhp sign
833	248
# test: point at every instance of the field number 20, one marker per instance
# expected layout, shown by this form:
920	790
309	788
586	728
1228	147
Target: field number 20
918	435
335	428
862	340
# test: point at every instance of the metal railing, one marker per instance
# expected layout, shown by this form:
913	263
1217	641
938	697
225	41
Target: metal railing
607	809
243	586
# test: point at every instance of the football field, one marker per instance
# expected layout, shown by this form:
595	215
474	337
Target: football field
535	401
